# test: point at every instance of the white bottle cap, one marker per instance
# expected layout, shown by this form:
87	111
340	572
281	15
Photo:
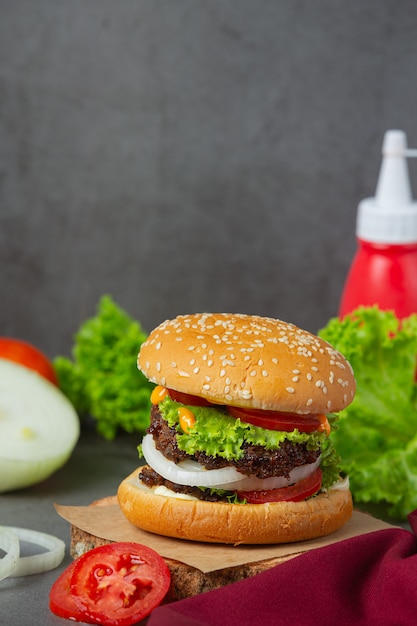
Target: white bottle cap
391	216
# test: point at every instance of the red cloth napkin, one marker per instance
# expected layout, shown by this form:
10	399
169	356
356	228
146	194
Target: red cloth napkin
368	580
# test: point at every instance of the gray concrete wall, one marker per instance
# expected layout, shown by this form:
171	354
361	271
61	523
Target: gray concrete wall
189	155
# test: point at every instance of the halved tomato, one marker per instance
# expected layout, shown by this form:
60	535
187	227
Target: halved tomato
26	354
114	585
188	398
275	420
294	493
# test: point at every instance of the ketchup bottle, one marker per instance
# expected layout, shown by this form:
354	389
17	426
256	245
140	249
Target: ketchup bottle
384	269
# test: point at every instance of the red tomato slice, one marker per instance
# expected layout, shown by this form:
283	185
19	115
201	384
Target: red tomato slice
29	356
275	420
119	584
188	398
61	602
294	493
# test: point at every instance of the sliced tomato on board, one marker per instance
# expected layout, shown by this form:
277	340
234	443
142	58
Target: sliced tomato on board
114	585
276	420
61	601
25	354
294	493
188	398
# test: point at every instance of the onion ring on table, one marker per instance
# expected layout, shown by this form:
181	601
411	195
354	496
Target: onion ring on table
9	543
35	563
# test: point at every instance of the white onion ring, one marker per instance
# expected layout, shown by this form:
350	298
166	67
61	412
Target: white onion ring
9	543
36	563
193	474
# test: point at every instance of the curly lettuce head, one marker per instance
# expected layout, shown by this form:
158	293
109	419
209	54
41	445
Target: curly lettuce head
377	435
102	380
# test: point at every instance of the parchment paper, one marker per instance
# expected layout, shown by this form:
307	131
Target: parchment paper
108	522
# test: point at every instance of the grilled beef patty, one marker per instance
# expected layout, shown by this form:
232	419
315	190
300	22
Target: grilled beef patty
255	460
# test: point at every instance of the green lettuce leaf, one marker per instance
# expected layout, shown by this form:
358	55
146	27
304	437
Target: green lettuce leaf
377	434
102	380
218	434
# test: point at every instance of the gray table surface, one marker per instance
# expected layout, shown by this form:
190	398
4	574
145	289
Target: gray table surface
94	471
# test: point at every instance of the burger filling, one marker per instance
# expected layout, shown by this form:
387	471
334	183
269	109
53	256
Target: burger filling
254	460
214	456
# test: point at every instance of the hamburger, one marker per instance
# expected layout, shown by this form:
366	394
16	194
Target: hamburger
238	449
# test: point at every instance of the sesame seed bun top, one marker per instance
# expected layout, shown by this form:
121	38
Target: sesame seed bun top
248	361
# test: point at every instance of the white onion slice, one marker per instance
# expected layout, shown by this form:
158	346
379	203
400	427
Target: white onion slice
39	427
35	563
192	474
9	543
188	472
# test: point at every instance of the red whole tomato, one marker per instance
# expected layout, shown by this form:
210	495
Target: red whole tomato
294	493
114	585
188	398
275	420
25	354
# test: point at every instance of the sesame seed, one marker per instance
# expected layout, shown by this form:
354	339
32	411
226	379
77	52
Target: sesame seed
260	362
253	373
158	367
228	397
265	373
222	373
309	402
290	389
158	345
196	370
173	364
295	379
209	363
206	386
183	374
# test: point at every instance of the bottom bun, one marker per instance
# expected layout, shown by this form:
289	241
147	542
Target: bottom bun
220	522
